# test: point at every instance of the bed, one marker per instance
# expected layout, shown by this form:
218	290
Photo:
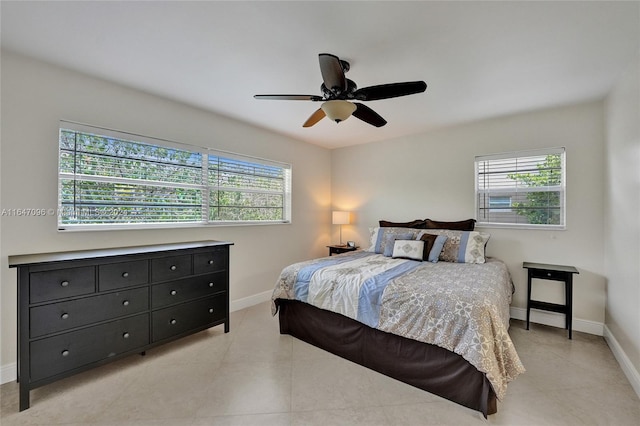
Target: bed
439	325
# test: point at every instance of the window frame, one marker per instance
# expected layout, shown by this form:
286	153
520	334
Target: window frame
488	192
202	185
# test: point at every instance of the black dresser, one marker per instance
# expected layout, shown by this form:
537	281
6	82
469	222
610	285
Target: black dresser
81	309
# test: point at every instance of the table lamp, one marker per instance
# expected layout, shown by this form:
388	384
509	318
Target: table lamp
340	218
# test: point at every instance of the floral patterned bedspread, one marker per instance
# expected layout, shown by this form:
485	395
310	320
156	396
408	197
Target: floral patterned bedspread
458	306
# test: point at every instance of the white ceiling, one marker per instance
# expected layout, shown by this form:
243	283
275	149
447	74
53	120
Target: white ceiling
479	59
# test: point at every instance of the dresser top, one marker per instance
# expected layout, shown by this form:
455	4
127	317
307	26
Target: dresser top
28	259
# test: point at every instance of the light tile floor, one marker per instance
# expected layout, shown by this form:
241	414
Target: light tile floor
255	376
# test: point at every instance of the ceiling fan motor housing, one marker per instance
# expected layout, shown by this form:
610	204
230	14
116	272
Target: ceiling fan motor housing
338	93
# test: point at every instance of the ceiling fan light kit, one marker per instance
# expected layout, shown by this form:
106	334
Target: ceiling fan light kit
337	90
338	110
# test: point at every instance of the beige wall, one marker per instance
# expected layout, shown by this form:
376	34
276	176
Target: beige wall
35	96
622	222
432	175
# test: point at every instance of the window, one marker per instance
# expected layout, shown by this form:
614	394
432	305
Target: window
522	189
109	179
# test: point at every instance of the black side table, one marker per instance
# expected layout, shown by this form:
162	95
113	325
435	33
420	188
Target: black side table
545	271
338	249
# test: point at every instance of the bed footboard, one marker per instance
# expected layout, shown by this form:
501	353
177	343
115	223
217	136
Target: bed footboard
428	367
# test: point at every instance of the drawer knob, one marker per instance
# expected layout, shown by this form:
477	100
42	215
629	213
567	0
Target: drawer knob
548	274
64	283
64	316
65	353
125	335
211	262
172	321
173	292
125	303
173	267
211	284
125	274
210	310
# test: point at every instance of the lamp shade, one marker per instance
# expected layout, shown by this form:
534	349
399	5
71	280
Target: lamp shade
340	218
338	110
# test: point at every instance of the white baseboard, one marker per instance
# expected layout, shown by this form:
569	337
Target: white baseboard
625	363
8	373
554	319
245	302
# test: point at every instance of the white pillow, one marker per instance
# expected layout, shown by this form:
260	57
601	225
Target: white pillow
408	249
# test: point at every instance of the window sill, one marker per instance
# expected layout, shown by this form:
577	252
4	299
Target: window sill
125	227
522	226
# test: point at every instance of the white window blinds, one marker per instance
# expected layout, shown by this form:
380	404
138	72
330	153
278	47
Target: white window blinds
113	179
521	189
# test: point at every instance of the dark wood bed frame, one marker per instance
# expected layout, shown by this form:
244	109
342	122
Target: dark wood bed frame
428	367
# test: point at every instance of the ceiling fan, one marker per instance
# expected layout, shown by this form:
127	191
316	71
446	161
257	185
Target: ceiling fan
338	92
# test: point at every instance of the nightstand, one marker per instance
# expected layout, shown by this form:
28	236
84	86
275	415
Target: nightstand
545	271
337	249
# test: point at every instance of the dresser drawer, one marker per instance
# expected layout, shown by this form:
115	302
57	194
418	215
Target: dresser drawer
215	260
67	351
61	283
62	316
123	274
186	289
169	268
179	319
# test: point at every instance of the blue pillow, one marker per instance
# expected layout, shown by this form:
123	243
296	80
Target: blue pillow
391	238
438	244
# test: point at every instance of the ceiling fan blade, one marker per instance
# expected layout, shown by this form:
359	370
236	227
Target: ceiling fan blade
392	90
289	97
332	73
368	115
314	118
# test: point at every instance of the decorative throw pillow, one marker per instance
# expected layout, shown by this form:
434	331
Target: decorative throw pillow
461	225
408	249
389	240
377	235
436	249
462	246
428	239
416	224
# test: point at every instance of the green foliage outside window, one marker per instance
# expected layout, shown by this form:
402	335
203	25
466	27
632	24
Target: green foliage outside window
541	207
